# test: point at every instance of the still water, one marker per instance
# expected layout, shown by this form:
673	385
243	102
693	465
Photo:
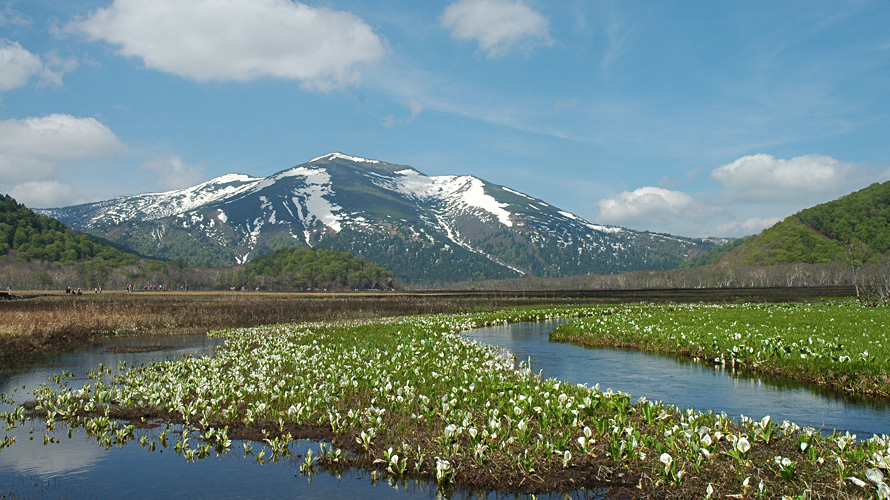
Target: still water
78	467
685	384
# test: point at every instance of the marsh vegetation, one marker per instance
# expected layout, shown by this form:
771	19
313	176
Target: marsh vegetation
31	328
840	345
407	397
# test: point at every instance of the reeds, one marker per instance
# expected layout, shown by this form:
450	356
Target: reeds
53	323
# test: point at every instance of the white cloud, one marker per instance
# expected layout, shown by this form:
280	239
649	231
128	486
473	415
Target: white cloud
753	225
173	173
34	149
17	65
646	207
805	179
499	26
239	39
43	194
758	191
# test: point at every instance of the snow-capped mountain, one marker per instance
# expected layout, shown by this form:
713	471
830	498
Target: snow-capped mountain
422	228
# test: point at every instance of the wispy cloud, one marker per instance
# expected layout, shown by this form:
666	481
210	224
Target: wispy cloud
617	35
12	17
566	104
173	173
414	106
689	176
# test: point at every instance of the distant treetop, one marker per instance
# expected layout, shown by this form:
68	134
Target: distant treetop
315	268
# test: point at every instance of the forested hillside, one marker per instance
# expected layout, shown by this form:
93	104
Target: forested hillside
26	236
863	216
856	226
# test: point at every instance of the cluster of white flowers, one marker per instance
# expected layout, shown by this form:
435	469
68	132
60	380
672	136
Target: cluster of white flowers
469	404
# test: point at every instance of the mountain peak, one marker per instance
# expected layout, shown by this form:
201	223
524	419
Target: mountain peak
424	228
340	156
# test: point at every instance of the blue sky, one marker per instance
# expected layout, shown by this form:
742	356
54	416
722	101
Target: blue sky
694	118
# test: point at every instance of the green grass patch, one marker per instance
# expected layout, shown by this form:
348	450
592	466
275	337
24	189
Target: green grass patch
840	345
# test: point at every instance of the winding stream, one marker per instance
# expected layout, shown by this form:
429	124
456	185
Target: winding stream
80	468
685	384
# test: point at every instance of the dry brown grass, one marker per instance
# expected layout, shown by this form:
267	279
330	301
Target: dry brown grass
52	323
46	324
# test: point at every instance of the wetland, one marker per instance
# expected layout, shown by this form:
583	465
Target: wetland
403	399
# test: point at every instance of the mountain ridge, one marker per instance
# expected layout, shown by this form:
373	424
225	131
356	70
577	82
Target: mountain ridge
423	228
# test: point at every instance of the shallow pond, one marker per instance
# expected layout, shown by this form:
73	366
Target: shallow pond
78	467
685	384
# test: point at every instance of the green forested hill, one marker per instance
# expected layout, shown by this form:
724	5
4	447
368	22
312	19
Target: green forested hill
27	236
315	268
859	221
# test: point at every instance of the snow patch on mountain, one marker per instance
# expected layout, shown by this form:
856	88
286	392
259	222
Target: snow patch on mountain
456	191
230	179
153	206
475	196
310	200
312	196
605	229
341	156
517	193
159	205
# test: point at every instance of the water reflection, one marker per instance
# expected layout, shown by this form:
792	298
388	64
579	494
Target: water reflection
80	467
44	460
685	384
